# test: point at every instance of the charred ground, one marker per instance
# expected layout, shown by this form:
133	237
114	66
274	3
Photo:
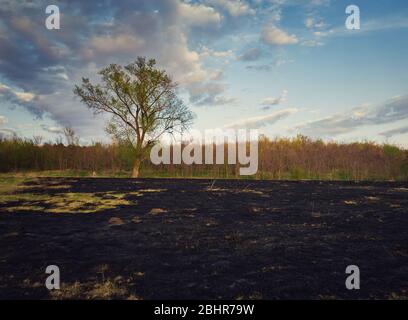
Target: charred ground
200	239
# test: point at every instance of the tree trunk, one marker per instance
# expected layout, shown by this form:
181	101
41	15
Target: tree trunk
136	166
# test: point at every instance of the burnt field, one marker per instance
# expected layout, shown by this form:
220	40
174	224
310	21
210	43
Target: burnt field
200	239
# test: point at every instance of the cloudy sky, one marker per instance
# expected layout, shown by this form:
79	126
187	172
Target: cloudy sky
282	66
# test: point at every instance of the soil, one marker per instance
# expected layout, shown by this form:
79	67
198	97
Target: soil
200	239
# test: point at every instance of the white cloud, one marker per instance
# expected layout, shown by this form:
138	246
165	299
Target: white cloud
124	43
262	121
207	52
389	111
4	89
394	132
272	101
3	120
52	129
209	94
312	43
216	75
274	36
198	15
320	2
170	46
321	33
5	132
14	95
309	22
370	26
313	23
234	8
24	96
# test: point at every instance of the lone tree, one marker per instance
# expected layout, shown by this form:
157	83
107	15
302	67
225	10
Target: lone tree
143	102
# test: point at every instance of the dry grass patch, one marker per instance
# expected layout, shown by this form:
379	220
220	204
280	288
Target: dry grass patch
402	295
250	191
57	186
62	202
85	203
136	220
217	189
255	210
105	290
372	198
11	184
67	291
152	190
115	221
156	211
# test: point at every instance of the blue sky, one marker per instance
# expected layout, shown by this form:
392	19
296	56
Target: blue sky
282	66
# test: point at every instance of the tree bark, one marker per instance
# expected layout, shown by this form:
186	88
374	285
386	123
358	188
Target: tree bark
136	166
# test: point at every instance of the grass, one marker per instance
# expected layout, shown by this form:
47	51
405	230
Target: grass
62	174
104	288
292	174
108	289
10	183
16	195
62	203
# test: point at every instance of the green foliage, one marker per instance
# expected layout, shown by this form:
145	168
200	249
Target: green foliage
126	154
143	104
391	151
403	166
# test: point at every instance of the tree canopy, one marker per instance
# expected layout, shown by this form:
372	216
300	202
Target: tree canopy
143	102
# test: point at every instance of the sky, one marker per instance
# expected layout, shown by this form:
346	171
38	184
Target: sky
284	67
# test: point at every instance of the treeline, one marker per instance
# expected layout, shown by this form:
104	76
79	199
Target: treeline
281	158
